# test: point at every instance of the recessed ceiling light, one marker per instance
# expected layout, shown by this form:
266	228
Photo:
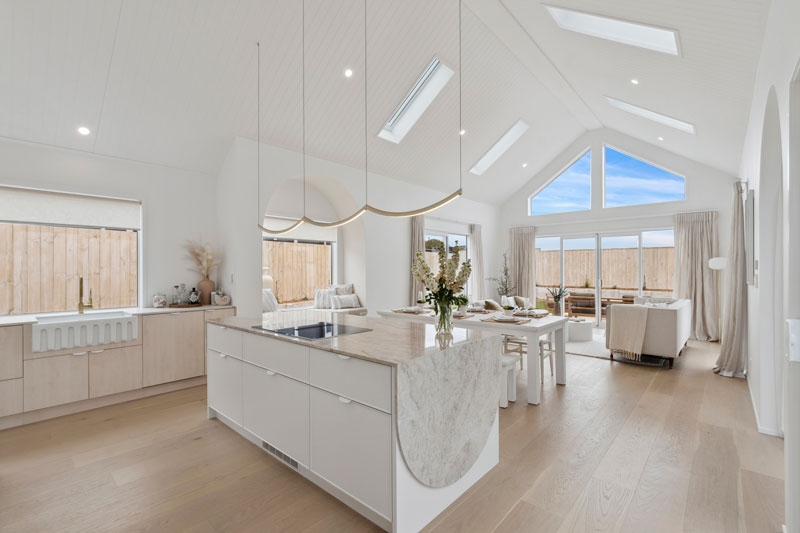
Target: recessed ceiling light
462	132
348	73
505	142
652	115
643	36
524	165
83	130
635	81
661	138
418	99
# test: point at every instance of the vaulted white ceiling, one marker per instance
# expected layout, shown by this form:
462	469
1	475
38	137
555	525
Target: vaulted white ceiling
173	82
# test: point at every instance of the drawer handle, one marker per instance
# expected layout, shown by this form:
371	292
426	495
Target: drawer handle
222	327
270	373
175	313
80	353
344	400
343	357
97	351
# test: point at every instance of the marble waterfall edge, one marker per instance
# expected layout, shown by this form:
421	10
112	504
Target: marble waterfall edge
447	403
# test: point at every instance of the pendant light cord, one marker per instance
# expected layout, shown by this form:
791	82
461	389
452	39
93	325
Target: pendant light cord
460	103
303	96
259	219
366	135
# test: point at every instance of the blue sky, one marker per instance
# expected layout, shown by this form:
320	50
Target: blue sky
628	181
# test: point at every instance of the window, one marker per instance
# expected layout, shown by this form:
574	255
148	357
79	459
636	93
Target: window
631	181
296	269
547	265
48	241
658	262
434	241
569	191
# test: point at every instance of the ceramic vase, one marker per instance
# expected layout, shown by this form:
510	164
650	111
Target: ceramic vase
205	287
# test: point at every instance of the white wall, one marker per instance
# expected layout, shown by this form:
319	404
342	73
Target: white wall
375	250
176	204
780	54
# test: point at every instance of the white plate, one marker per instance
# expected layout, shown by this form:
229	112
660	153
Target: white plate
503	318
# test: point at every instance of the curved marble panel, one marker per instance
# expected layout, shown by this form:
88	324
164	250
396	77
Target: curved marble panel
446	405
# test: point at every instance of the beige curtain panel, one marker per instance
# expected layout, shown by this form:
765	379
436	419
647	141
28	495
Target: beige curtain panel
732	358
522	244
697	241
417	243
476	253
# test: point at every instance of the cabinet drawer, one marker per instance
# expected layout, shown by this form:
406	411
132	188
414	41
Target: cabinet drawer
56	380
10	397
366	382
276	409
10	352
351	447
283	357
113	371
225	385
225	340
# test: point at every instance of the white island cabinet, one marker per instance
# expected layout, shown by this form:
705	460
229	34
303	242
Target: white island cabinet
331	409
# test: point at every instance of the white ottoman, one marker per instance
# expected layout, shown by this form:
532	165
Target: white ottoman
579	331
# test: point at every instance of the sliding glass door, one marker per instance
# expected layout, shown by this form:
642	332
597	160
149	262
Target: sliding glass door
619	270
580	276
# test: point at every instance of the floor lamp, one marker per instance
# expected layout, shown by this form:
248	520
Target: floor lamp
719	264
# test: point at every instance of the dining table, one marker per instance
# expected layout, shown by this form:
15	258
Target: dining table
529	327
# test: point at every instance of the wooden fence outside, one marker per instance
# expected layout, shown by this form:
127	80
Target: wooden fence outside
40	267
620	267
297	269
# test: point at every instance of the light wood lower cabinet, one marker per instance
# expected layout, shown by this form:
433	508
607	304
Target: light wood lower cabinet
10	352
10	397
276	410
172	347
225	385
351	448
56	380
113	371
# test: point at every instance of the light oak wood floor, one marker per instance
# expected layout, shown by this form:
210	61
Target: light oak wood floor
620	448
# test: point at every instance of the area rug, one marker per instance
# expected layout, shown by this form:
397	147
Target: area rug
597	348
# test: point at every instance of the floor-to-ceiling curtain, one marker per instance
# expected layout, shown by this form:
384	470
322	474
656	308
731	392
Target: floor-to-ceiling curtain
697	241
417	243
732	358
476	253
522	244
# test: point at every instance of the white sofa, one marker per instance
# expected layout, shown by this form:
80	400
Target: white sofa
668	327
269	304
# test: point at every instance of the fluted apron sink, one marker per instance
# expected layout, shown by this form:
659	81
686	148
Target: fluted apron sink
76	331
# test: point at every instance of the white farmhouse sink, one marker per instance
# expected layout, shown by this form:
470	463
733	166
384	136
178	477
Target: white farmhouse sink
75	331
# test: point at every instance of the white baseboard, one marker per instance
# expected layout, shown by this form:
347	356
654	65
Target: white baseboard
775	432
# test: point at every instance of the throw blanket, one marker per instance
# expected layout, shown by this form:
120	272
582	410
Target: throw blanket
626	335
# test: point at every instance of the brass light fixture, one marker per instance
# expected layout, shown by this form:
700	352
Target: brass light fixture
366	207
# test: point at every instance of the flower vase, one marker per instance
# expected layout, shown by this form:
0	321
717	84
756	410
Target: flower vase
557	310
205	287
444	318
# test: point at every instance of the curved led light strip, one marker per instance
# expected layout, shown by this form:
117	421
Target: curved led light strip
366	207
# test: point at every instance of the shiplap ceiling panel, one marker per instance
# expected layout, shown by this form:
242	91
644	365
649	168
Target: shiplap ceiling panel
54	58
710	84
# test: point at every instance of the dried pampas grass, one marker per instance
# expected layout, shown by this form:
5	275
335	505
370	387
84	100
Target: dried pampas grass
204	257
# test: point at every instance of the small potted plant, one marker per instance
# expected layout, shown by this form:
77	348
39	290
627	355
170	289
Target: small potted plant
508	310
559	294
504	287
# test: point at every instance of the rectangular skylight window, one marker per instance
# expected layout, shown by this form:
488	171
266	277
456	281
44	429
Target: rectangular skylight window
505	142
652	115
650	37
418	99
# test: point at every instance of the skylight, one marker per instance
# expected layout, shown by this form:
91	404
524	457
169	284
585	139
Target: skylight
418	99
505	142
652	115
652	38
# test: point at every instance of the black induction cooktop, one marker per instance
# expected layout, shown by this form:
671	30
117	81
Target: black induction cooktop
319	330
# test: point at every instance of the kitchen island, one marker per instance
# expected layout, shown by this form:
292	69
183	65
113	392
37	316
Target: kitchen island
386	417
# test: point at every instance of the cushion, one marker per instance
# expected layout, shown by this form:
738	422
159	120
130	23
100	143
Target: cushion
269	303
522	302
491	305
343	289
322	298
345	301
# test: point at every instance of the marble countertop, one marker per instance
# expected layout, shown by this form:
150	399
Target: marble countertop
391	342
21	320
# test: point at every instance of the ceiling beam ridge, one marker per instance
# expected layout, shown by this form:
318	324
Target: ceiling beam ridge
502	22
108	76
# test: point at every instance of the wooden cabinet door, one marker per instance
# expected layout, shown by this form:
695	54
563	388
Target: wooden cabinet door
10	352
173	345
56	380
113	371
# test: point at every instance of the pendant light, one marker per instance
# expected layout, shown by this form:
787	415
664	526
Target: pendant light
366	207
